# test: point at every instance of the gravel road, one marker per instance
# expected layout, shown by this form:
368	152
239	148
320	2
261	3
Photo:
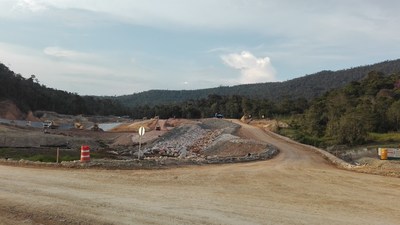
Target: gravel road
296	187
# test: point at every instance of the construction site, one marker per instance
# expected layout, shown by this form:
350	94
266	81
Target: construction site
208	171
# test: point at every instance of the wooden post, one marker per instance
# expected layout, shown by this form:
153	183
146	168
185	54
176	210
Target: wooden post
58	154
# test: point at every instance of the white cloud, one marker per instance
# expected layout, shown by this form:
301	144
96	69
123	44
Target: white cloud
83	77
58	52
300	36
253	69
31	5
260	15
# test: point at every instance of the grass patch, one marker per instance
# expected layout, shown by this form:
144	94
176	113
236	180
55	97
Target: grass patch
12	153
42	158
69	158
384	138
288	132
38	155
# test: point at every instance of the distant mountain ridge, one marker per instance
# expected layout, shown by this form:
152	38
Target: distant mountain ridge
308	86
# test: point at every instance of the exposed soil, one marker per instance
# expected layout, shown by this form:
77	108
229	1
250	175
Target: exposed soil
9	110
381	167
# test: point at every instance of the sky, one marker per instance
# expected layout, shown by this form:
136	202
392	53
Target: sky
118	47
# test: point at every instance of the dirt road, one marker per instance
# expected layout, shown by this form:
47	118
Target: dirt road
296	187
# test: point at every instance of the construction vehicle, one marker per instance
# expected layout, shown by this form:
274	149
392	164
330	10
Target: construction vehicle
158	127
218	115
78	125
49	124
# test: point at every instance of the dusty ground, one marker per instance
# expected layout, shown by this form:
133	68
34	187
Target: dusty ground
297	187
381	167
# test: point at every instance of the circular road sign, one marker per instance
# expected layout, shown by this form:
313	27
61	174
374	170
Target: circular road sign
142	131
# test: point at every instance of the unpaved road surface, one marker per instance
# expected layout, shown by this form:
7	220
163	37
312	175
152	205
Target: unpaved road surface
296	187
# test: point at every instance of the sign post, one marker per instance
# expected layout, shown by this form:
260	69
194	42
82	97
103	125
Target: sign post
58	154
141	133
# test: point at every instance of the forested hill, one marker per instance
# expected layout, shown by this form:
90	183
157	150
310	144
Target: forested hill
309	87
28	95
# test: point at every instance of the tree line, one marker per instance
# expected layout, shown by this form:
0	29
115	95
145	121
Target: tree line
234	106
28	94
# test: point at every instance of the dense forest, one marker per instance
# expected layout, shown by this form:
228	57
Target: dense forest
347	115
308	87
29	94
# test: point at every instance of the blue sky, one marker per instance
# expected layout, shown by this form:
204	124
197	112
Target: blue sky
99	47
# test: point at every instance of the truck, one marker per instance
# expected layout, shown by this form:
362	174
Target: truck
49	124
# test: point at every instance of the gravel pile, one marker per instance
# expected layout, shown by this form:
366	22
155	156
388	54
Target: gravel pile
177	142
191	140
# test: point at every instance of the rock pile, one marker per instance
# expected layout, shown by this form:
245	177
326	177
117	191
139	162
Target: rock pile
177	143
190	140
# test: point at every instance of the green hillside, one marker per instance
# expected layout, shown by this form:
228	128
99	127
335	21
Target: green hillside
309	87
349	114
29	94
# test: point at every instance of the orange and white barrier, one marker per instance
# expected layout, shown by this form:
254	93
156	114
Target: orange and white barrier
85	153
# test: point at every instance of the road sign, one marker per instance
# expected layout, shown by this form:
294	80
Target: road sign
141	131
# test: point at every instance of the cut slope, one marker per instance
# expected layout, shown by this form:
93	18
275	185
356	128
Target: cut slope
8	110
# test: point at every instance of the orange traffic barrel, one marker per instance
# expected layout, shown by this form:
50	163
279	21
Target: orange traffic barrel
384	154
85	153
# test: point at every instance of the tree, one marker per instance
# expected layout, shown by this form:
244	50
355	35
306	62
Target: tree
393	115
351	129
315	120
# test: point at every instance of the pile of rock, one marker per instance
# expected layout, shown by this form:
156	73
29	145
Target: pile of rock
200	144
178	142
193	140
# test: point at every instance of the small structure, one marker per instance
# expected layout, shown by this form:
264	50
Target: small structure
387	153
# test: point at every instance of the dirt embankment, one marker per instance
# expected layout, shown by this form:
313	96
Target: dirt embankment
8	110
